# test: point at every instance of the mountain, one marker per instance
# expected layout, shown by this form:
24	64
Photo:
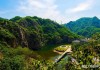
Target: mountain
84	26
33	32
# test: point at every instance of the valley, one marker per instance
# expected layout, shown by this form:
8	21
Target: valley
34	43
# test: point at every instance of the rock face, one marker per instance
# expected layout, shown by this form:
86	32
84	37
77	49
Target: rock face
33	32
23	38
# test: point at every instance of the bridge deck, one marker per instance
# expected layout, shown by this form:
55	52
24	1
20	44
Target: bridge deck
66	52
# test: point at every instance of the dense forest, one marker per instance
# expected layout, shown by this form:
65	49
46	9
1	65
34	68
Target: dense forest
33	32
84	26
22	37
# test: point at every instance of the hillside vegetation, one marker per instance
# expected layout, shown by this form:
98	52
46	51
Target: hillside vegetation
84	26
33	32
21	39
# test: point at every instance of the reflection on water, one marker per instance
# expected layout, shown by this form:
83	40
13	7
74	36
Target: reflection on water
48	55
47	52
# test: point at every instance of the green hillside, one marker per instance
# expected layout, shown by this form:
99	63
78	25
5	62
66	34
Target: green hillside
33	32
85	26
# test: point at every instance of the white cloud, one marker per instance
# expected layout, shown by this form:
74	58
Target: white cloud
41	8
82	6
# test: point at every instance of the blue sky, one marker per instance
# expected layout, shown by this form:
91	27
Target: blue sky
57	10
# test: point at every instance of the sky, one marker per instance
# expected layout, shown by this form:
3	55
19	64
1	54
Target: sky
61	11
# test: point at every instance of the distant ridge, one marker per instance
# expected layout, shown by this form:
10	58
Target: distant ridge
85	26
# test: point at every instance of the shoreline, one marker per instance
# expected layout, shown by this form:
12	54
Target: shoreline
59	52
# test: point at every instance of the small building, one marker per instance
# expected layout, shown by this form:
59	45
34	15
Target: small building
84	40
76	41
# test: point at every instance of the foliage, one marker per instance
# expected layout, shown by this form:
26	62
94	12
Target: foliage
15	18
5	34
85	26
20	36
85	54
22	59
33	32
61	48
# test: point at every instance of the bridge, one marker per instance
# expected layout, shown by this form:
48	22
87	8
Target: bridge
68	51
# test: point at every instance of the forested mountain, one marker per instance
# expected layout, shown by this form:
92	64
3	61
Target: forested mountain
22	37
33	32
85	26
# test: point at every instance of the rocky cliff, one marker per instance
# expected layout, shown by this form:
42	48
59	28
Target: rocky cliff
33	32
